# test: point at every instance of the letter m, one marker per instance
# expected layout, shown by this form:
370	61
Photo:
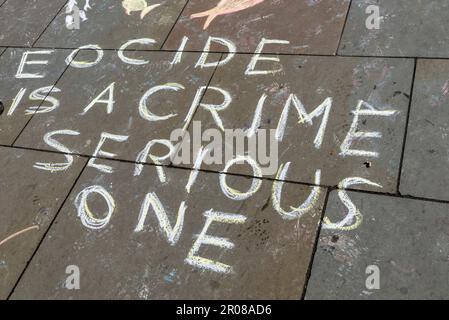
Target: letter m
304	117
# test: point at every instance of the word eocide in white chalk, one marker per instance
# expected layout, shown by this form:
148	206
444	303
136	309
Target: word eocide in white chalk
151	200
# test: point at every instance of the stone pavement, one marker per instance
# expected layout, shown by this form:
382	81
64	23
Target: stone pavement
348	198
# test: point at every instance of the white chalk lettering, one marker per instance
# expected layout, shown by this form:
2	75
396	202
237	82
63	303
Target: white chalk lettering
20	73
88	218
204	239
354	217
276	196
109	102
215	108
354	133
43	94
178	56
121	54
16	101
143	109
172	233
85	64
255	185
251	69
203	58
145	153
255	125
55	167
304	117
196	167
101	153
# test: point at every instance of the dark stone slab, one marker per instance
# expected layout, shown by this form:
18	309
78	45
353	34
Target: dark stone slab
408	28
21	22
311	27
29	200
425	171
269	259
22	92
109	26
407	240
384	84
79	87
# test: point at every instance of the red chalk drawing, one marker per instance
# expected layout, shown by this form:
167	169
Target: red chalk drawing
225	7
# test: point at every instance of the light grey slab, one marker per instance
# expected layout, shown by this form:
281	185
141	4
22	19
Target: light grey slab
383	85
407	28
23	21
402	242
269	255
425	170
27	79
29	200
127	85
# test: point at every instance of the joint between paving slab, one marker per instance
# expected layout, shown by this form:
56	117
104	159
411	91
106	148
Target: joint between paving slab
43	100
404	142
239	53
315	246
343	29
174	24
46	232
45	29
199	103
170	166
301	183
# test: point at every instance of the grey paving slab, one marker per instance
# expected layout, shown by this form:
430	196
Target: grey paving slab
109	26
21	22
319	144
412	28
29	200
403	241
269	255
425	169
311	27
121	127
26	77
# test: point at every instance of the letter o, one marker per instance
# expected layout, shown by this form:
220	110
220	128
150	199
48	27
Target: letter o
84	64
255	186
88	219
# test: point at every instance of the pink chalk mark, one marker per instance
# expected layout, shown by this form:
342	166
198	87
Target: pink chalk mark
17	234
225	7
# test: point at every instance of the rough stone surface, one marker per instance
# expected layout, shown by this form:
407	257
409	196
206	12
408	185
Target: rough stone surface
269	260
311	27
384	84
22	22
127	85
29	200
23	90
408	28
425	169
407	240
315	49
